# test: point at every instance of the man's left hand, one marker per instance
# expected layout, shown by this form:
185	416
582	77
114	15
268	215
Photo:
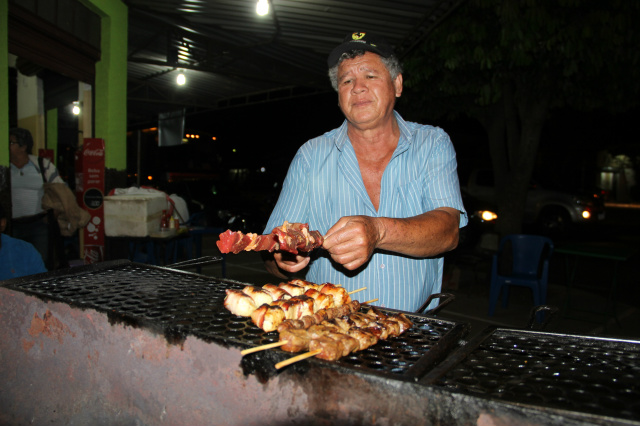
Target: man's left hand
351	241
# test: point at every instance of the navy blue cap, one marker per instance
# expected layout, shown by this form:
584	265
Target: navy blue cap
360	41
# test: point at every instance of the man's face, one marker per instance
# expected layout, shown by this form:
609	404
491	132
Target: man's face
366	92
14	148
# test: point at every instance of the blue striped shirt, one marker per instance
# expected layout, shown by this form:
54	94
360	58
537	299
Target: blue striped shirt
324	184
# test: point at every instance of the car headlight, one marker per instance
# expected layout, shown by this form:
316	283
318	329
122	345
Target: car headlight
486	215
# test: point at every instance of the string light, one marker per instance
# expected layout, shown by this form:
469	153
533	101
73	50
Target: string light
262	8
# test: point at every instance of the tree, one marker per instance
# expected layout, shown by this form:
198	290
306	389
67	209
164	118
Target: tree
508	63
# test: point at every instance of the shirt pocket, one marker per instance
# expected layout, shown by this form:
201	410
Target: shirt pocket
408	200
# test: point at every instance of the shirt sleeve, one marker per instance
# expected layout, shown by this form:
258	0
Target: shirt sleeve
442	186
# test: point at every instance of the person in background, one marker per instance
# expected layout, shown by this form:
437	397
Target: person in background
384	191
29	221
17	258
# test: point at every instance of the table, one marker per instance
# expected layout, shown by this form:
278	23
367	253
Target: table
616	253
155	249
164	250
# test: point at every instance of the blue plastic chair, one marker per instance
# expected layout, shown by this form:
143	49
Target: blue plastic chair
526	260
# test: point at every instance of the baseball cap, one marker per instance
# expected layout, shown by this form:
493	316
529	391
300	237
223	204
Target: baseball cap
361	41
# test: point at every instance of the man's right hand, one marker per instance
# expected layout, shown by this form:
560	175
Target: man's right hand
277	262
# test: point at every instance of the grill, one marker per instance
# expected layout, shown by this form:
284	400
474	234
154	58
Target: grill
179	303
428	375
568	372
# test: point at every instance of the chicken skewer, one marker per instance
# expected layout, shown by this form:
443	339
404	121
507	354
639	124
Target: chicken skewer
333	340
322	315
310	320
293	314
244	302
362	330
295	299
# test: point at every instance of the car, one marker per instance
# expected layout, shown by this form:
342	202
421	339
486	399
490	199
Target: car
551	212
482	219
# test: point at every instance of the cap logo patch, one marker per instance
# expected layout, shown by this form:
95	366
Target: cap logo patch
357	36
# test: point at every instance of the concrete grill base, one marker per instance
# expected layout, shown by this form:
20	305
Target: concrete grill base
65	365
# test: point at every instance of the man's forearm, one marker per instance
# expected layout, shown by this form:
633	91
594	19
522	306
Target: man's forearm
425	235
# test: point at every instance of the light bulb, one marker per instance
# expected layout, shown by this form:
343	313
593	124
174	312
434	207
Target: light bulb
263	7
181	79
76	108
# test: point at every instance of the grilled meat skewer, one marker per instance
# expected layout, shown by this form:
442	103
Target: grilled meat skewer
296	299
339	337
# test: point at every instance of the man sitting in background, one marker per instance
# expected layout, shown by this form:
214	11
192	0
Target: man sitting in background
17	257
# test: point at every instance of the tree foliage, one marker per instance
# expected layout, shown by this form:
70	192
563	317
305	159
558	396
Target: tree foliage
507	63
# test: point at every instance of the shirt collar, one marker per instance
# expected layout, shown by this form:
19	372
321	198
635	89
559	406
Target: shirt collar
405	134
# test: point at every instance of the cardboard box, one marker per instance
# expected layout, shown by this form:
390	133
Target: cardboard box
133	215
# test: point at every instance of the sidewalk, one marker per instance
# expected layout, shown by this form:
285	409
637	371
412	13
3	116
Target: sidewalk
469	282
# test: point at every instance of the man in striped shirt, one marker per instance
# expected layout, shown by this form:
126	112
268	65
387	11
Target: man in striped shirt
384	191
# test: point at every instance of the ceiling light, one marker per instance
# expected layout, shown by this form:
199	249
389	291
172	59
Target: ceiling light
181	79
263	7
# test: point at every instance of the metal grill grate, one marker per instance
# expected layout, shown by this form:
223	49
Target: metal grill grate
181	303
577	373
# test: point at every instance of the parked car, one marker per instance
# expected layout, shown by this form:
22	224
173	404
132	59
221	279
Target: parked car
550	211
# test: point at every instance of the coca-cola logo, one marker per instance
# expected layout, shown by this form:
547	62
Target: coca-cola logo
94	152
93	254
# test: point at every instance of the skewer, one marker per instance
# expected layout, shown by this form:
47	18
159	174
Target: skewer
392	333
280	343
297	358
263	347
356	291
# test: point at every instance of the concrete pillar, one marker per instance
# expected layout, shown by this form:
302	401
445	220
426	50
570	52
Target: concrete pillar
31	109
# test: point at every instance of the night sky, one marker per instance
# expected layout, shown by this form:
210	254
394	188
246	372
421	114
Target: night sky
271	133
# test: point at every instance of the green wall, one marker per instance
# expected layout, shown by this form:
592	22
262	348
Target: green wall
110	89
4	83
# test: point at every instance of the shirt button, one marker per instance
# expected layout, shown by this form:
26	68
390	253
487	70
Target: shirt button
382	266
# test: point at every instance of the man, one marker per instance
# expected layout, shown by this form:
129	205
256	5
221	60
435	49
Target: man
385	192
29	221
17	258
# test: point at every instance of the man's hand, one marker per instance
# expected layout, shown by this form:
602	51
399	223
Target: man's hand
277	262
351	241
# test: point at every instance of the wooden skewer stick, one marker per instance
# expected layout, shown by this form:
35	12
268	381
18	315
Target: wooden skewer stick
356	291
263	347
369	301
297	358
